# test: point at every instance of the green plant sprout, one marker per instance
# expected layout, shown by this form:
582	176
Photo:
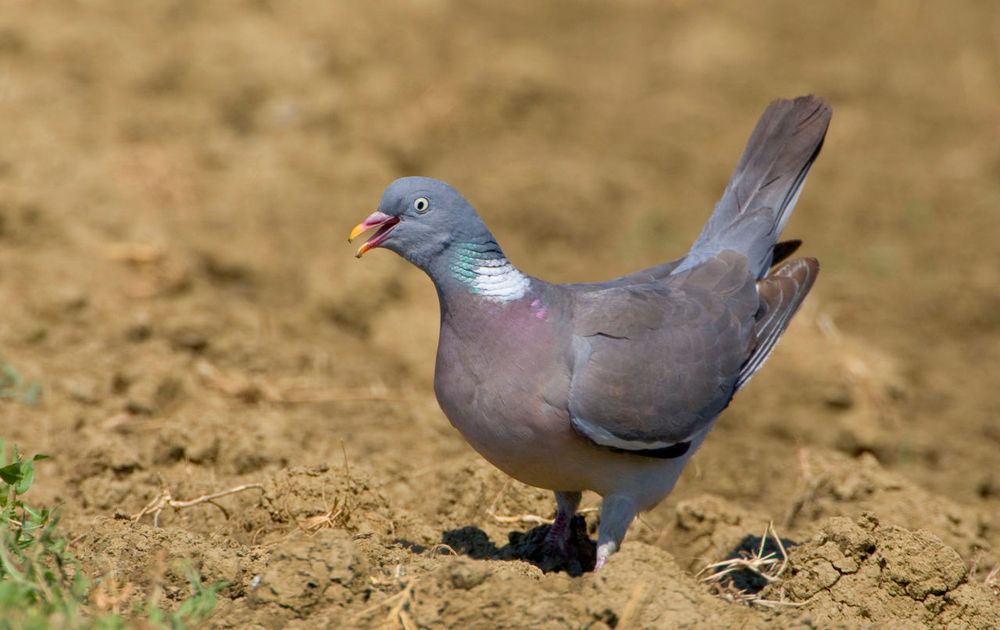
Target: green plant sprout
43	586
13	386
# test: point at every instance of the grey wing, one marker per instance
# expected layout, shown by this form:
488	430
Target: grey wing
654	363
661	272
650	274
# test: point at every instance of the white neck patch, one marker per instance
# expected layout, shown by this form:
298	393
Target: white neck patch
489	274
500	281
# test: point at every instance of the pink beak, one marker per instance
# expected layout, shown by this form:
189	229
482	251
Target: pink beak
380	220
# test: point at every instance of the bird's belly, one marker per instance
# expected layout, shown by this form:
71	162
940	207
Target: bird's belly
537	456
534	443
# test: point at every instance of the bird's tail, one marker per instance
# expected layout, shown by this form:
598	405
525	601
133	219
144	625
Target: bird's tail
781	294
766	184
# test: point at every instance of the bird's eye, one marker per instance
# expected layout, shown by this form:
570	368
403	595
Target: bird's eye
421	205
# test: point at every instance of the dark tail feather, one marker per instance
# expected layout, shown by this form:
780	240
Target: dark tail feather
784	249
781	294
766	184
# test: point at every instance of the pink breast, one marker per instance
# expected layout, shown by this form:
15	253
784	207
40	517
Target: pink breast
538	309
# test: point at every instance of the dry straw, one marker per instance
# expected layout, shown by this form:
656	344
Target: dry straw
770	566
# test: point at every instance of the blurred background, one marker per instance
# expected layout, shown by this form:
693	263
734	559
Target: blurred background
178	178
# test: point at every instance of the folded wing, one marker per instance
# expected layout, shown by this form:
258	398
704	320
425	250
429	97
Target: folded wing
654	363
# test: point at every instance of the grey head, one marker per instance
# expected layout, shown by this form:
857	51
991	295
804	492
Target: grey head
420	218
427	222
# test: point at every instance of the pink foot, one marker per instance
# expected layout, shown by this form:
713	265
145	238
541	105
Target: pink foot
604	552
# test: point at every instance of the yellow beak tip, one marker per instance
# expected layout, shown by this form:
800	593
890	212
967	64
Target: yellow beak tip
356	232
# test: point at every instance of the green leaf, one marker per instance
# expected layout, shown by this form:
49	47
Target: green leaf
27	476
32	394
11	473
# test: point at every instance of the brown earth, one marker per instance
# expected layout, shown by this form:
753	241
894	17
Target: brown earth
176	182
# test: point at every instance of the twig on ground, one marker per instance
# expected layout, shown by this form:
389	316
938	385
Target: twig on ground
398	612
335	515
992	578
347	463
521	518
166	500
769	566
638	519
125	422
812	484
111	593
630	615
496	499
396	578
530	518
443	547
136	253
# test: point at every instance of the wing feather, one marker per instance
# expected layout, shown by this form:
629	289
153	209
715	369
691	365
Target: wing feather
654	363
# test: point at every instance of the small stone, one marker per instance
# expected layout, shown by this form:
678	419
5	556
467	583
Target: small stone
846	565
839	397
466	575
138	332
189	339
83	390
988	488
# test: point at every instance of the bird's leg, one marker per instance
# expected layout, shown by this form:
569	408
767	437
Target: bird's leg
617	513
558	536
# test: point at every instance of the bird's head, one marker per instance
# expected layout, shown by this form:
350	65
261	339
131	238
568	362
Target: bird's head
419	218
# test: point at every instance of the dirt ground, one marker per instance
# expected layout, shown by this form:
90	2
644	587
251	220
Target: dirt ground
177	180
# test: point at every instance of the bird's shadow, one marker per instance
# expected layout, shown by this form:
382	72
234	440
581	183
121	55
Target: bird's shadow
528	546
